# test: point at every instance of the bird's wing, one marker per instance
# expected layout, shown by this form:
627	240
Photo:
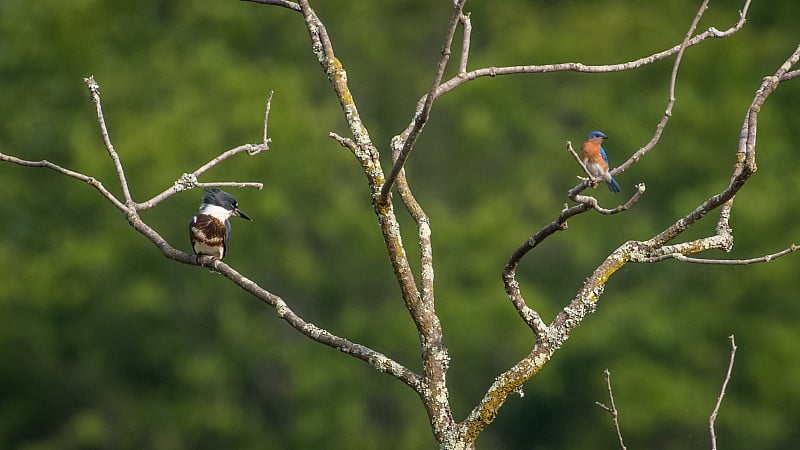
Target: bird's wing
210	230
603	152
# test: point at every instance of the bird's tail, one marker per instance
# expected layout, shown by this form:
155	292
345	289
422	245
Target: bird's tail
613	186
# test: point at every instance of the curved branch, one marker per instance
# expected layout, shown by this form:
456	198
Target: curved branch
579	67
551	338
78	176
377	360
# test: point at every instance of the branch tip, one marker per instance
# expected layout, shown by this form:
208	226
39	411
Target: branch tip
713	418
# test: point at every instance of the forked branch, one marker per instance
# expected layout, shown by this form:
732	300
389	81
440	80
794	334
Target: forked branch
131	209
612	410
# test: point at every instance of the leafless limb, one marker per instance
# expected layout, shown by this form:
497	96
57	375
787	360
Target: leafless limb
70	173
189	180
790	75
528	315
421	117
237	184
662	124
282	3
344	142
377	360
612	409
725	262
591	201
94	93
713	418
267	140
591	179
605	68
466	39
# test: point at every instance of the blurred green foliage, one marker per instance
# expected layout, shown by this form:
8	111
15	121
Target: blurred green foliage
106	344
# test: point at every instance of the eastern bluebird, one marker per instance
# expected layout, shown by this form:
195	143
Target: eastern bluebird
596	161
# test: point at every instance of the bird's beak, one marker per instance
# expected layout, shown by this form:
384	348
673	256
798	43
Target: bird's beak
240	213
604	138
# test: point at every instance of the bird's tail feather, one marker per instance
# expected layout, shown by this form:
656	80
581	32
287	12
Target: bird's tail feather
613	186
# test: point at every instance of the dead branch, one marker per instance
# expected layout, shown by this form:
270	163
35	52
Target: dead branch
713	418
612	410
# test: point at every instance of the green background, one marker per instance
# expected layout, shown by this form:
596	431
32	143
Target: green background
106	344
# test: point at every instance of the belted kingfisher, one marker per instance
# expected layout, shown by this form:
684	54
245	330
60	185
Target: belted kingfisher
210	230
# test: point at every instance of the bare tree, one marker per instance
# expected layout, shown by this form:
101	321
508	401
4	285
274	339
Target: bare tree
417	289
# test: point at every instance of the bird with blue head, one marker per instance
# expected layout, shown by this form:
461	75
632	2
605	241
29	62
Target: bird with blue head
595	159
210	231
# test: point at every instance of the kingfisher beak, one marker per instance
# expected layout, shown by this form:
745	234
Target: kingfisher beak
240	213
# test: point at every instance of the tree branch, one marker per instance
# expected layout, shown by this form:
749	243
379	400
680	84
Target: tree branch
70	173
744	168
422	115
466	39
94	94
282	3
433	391
662	124
725	262
267	140
612	410
593	202
713	418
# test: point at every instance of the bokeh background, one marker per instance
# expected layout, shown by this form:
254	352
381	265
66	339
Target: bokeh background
106	344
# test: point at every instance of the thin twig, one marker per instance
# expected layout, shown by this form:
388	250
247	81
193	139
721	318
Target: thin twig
421	117
713	418
70	173
94	92
343	141
238	184
725	262
662	124
283	3
189	180
790	75
613	409
584	68
465	42
267	140
592	201
592	179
